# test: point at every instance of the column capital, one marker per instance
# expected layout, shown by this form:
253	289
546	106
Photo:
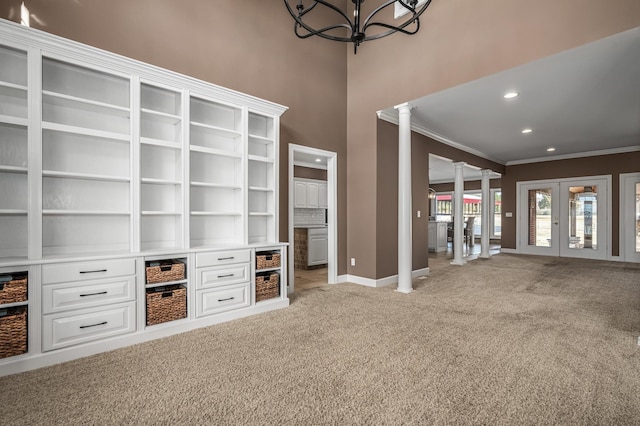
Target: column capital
459	164
485	172
404	107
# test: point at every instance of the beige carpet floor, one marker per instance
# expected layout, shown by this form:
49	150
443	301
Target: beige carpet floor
514	340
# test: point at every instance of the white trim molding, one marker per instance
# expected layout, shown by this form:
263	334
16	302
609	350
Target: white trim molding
380	282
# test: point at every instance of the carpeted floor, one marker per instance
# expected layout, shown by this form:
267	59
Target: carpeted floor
508	341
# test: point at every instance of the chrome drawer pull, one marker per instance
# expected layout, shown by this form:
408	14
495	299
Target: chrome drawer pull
226	258
93	294
93	325
224	300
225	276
93	272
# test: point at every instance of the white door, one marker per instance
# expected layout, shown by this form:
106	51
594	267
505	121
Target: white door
566	218
630	217
312	195
300	194
539	208
322	196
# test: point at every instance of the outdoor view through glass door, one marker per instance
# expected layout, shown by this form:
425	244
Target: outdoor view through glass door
630	217
564	218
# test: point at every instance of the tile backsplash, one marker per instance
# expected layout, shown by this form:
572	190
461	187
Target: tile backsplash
308	216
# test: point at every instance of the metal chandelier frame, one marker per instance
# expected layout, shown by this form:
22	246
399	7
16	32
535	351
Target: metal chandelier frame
356	27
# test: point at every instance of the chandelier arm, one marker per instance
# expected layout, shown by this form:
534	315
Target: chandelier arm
315	3
321	31
400	28
392	30
378	9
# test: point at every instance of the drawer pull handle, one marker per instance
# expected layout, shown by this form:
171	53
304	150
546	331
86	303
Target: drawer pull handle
93	294
225	276
93	272
93	325
224	300
227	258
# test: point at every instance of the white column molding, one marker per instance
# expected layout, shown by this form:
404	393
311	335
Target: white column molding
486	214
405	239
458	220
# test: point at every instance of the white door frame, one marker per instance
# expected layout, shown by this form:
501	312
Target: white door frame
332	211
627	216
559	209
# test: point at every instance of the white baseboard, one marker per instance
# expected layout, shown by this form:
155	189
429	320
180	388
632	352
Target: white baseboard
381	282
508	250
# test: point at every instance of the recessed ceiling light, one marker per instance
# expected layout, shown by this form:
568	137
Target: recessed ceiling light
510	95
318	160
551	149
527	131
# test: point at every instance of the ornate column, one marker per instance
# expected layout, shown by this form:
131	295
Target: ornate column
486	215
458	220
405	239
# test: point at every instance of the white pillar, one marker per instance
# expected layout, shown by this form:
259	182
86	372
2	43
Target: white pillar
405	239
486	215
458	220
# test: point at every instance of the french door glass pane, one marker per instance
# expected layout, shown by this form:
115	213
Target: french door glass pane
637	229
497	214
539	207
583	217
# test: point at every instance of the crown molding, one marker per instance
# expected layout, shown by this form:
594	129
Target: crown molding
575	155
391	118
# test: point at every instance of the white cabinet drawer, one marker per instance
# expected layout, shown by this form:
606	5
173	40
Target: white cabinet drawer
85	294
223	299
317	232
72	328
220	276
75	271
222	258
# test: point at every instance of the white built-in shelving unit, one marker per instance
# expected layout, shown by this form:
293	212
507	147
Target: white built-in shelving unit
108	164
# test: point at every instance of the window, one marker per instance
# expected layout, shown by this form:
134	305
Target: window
400	11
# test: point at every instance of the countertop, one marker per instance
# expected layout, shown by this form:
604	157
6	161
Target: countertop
324	225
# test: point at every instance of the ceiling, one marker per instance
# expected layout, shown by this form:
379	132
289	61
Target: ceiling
584	100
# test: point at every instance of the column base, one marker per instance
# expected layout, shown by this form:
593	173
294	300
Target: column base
458	262
404	291
484	256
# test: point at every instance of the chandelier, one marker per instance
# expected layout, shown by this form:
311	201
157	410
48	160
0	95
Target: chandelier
356	29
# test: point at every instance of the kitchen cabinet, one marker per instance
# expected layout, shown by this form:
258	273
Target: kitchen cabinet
437	236
310	193
318	246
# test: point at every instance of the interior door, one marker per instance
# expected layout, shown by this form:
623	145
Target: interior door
565	218
539	208
630	217
583	215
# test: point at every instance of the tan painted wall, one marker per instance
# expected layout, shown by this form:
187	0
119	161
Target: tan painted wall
460	41
248	46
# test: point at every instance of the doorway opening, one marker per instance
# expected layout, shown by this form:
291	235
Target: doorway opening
312	217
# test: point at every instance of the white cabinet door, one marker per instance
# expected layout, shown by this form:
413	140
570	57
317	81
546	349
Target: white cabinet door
312	195
322	196
317	247
300	194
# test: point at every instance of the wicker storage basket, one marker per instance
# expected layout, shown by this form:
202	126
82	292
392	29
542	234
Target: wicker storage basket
267	286
267	260
13	331
165	271
14	290
166	304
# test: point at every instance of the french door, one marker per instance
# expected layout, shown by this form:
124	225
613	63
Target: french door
566	217
630	217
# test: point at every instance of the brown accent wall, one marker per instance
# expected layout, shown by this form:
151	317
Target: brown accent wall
459	41
247	46
612	165
309	173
